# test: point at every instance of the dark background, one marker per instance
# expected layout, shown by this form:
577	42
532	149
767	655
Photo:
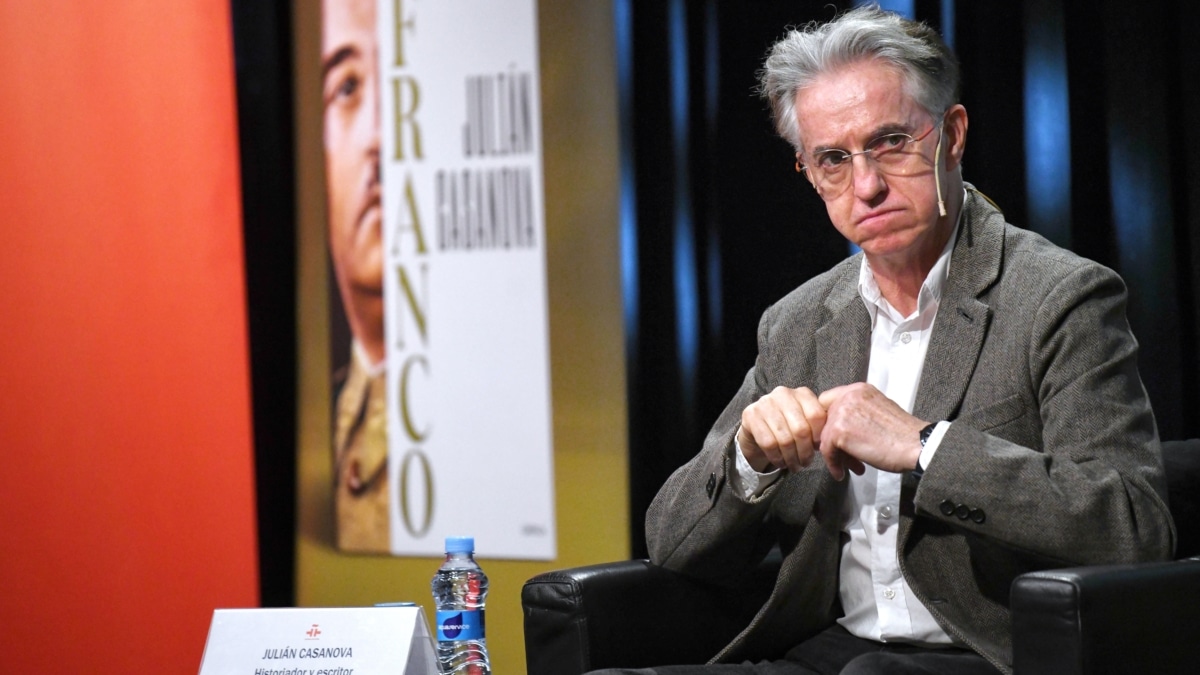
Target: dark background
1083	126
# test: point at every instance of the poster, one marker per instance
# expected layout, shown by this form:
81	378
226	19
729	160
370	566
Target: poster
441	410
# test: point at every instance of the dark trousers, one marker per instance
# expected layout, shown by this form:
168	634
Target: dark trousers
836	652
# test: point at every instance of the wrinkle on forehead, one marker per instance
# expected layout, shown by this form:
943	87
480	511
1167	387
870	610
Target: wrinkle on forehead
852	104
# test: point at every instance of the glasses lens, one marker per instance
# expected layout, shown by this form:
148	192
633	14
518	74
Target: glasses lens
828	168
893	154
889	149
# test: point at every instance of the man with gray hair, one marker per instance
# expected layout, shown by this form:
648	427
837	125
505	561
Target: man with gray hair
955	405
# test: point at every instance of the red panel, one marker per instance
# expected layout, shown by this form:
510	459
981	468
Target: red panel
127	485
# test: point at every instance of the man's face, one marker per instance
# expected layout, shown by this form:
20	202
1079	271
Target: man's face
889	217
351	128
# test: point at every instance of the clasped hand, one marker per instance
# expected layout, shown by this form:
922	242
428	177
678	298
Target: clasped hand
850	427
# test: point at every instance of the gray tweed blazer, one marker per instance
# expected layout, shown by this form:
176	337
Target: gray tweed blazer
1052	458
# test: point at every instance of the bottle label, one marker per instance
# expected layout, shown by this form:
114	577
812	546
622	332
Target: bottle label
459	624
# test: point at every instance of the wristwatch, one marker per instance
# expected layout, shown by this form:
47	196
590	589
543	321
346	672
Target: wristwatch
924	436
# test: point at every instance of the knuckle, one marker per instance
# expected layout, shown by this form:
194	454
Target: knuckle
797	420
751	413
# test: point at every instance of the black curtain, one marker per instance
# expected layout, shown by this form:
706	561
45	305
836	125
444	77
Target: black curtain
1083	127
262	37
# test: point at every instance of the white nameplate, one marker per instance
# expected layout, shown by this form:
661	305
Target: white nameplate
319	641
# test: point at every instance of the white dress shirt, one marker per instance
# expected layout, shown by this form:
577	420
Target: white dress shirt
877	601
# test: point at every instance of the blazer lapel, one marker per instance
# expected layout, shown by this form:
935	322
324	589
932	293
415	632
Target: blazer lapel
962	320
844	342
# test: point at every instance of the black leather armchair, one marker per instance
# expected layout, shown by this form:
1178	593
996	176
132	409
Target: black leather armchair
1111	619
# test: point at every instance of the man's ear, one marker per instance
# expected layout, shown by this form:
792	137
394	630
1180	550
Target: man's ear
955	128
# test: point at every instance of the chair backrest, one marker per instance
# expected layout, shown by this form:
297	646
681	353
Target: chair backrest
1181	459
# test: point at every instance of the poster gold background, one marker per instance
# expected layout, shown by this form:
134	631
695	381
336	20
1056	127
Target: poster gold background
587	363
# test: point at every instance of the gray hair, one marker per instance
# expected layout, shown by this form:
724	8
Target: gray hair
928	66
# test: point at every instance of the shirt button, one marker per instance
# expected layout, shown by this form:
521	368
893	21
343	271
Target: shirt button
889	593
885	512
905	337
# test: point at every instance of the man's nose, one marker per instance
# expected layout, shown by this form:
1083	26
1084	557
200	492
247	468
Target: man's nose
866	177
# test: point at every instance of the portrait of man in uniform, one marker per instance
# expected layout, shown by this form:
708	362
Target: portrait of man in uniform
350	120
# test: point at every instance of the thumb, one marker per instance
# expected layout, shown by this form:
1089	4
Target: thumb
831	396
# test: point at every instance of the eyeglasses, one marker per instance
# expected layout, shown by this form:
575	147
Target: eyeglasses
830	170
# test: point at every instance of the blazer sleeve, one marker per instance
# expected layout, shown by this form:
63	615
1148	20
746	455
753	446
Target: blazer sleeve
1055	452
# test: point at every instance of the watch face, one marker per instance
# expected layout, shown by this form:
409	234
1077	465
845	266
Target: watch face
926	433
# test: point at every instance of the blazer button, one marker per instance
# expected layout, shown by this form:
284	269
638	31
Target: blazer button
946	507
962	511
978	516
711	485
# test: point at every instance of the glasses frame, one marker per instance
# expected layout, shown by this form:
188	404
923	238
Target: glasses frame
849	156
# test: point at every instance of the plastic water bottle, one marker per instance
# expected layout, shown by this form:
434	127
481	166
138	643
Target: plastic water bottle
459	591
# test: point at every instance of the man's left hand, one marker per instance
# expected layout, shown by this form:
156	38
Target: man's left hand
865	427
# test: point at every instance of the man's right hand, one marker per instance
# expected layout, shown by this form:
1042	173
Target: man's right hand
782	430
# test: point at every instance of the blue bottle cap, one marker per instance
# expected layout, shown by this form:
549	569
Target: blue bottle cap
460	544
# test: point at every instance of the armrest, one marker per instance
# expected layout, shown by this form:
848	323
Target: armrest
630	614
1140	618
